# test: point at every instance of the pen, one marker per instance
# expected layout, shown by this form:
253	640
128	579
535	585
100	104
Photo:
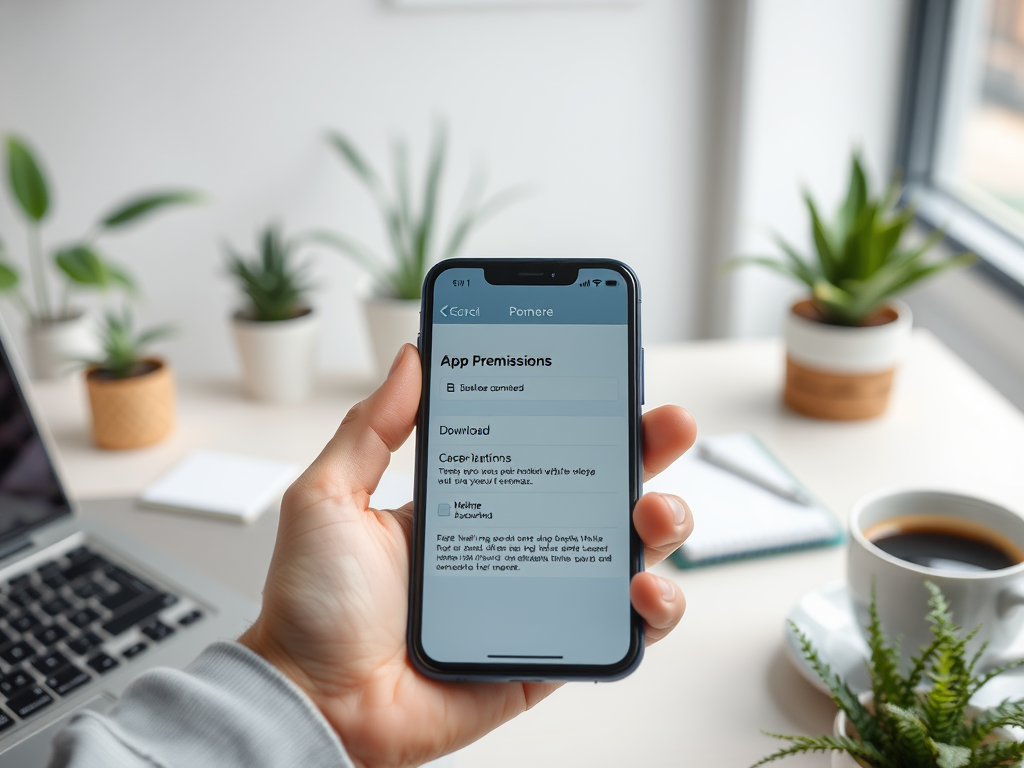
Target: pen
722	462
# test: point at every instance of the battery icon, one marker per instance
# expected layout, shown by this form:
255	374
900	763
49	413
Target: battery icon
611	282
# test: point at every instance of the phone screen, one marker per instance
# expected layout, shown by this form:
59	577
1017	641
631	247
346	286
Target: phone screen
528	470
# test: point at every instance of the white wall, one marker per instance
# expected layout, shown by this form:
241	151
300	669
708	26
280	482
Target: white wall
820	78
598	107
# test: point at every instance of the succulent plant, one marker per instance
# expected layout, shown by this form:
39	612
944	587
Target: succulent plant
124	351
918	719
275	286
862	259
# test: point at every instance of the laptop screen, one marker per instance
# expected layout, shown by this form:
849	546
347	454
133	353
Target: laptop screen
30	493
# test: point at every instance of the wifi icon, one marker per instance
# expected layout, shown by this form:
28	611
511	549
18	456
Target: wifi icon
597	282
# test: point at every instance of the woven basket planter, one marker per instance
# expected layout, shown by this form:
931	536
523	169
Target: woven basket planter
132	412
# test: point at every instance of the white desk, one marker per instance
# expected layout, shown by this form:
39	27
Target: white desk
702	696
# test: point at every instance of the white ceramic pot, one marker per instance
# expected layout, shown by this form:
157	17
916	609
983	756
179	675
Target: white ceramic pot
841	372
843	349
278	357
58	348
393	322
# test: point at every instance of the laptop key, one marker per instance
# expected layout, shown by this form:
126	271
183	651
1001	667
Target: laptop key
4	638
83	618
29	702
54	581
50	663
22	580
190	618
82	567
78	554
88	589
157	630
24	621
50	635
47	568
17	653
25	597
120	598
66	679
14	681
6	721
127	579
56	606
134	650
102	663
84	643
138	612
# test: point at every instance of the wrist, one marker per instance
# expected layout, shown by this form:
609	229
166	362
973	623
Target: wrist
260	642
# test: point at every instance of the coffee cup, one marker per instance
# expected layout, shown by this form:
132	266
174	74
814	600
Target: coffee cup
972	549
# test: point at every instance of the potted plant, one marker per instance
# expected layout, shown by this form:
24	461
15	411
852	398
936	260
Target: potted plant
58	333
901	723
131	394
844	340
392	303
276	331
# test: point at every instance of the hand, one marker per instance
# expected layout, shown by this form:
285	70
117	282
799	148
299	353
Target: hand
336	598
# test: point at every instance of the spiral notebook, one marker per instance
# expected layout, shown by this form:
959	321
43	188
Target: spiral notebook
736	517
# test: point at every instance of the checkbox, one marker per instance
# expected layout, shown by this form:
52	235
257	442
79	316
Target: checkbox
444	510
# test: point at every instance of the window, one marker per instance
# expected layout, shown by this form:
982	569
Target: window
962	134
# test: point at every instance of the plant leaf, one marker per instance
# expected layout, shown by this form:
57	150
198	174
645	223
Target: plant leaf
999	754
435	167
949	756
8	277
27	180
804	744
350	247
822	243
83	266
138	207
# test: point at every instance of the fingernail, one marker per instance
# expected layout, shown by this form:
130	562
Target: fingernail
398	358
668	590
678	509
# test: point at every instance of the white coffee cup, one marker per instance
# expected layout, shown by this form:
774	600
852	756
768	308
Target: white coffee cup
992	598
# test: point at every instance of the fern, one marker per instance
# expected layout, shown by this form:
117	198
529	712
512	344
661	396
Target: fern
908	726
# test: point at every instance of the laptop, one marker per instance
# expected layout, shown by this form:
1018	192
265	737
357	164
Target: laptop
84	609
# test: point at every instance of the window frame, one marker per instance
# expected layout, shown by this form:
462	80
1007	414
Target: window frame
929	44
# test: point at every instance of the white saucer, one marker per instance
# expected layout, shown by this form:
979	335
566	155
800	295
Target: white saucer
826	616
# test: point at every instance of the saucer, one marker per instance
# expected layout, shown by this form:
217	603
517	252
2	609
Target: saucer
825	615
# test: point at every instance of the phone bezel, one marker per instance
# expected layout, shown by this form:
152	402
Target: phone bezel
525	269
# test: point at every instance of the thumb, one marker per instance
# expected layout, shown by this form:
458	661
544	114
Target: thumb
353	461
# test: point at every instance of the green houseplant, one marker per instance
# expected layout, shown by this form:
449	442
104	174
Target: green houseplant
131	393
904	724
413	234
276	330
57	331
845	338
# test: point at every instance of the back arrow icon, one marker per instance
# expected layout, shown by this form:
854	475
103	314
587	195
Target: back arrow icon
443	313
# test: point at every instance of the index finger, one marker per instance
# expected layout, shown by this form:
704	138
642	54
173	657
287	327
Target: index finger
669	432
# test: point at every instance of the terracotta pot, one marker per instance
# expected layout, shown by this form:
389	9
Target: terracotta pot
278	356
56	348
393	322
841	372
132	412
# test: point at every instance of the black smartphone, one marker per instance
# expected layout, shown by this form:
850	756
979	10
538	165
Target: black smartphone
527	470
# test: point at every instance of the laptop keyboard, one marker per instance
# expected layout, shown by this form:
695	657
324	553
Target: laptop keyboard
69	621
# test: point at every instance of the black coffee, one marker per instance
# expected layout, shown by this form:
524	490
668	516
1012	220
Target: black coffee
946	550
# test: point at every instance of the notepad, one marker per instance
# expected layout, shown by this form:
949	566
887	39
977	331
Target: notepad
222	484
735	518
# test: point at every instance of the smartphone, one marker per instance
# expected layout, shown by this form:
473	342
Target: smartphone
527	470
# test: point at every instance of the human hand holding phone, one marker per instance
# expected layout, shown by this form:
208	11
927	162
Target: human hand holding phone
336	598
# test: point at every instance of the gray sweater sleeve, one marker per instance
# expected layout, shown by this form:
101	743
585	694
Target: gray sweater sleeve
229	708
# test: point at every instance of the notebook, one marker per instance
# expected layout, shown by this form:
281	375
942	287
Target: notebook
737	518
221	484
